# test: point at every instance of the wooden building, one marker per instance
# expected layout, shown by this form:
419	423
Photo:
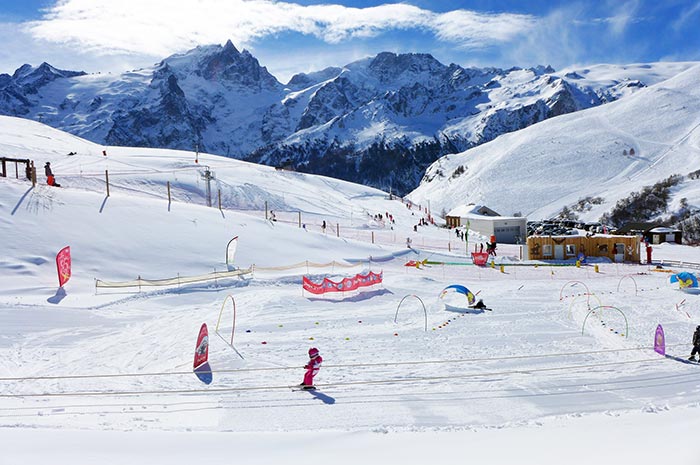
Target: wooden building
617	248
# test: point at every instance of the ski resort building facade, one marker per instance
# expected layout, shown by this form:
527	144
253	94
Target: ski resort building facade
617	248
481	219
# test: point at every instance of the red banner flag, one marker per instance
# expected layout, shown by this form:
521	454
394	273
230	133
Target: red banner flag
201	352
63	265
347	284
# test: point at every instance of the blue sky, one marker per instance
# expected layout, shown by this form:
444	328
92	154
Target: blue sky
290	36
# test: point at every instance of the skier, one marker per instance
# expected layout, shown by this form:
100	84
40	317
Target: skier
480	304
312	368
696	344
491	248
50	180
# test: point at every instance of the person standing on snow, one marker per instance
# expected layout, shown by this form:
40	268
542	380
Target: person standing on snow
50	180
696	344
312	368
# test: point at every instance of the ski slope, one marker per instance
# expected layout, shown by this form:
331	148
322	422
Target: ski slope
85	370
582	154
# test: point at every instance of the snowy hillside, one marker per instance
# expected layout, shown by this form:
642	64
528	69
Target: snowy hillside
379	121
86	370
539	170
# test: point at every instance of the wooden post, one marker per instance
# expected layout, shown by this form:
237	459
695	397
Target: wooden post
33	175
372	237
168	191
16	170
300	219
337	229
107	181
4	168
266	209
219	199
449	247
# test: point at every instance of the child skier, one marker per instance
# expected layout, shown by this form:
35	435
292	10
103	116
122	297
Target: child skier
696	344
312	368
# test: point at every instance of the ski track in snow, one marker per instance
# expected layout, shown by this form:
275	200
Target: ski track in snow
96	360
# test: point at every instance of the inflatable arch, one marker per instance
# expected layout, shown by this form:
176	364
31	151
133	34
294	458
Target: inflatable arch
687	282
471	298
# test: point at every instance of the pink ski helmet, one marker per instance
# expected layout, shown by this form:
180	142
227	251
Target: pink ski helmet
313	352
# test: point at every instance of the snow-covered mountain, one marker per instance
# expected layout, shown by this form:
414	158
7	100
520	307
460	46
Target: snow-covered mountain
379	121
603	153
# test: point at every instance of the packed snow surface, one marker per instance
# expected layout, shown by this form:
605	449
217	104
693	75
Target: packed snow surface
86	370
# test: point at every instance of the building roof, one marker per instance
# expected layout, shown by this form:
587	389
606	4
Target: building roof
664	230
646	228
637	227
477	211
472	210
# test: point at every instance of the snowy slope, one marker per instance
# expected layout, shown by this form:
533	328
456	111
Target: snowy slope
378	121
579	155
84	372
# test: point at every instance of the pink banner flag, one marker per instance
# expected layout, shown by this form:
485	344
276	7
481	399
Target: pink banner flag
347	284
659	341
63	264
201	352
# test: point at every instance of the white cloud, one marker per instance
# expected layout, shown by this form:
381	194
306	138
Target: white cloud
626	15
472	29
162	27
685	16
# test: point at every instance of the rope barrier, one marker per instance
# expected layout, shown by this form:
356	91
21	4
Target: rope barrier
352	383
352	365
172	281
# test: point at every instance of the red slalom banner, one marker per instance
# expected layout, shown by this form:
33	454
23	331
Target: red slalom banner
201	352
347	284
63	266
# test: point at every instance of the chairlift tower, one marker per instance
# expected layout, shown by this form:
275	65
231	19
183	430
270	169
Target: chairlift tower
208	176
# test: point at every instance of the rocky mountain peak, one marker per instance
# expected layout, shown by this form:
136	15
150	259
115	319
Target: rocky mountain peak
31	78
302	80
390	67
379	121
229	48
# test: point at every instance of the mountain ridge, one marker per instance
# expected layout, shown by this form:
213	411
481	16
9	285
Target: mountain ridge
406	108
607	152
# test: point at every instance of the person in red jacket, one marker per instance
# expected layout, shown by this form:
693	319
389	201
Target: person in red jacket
312	368
50	179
